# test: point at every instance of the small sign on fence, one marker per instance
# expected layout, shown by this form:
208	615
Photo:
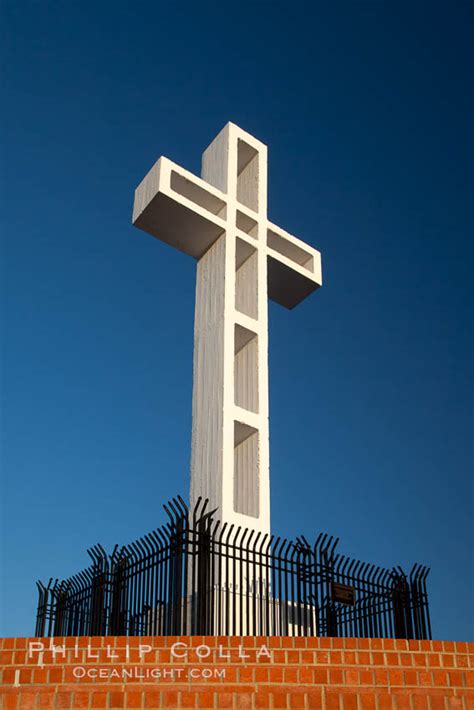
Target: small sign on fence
343	593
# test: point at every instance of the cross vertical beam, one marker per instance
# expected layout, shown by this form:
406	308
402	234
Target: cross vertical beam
242	259
230	391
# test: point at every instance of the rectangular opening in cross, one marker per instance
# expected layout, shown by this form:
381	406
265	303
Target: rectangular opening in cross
290	250
246	369
197	194
247	175
246	224
246	478
246	278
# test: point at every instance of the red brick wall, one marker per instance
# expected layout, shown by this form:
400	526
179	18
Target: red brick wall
319	673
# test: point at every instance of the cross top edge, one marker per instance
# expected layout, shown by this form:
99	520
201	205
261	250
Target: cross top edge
236	163
232	130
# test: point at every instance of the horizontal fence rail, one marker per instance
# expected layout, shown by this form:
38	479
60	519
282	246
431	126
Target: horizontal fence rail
196	575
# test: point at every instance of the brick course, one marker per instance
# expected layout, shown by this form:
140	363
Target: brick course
306	673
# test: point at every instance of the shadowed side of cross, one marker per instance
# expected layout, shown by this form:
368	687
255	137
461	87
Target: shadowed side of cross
243	259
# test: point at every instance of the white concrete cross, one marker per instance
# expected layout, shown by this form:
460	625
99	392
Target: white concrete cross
242	259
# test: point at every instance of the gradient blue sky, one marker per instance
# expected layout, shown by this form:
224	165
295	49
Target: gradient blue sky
367	111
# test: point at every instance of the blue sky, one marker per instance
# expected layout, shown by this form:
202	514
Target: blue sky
367	111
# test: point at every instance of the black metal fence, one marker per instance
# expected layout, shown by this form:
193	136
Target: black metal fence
196	575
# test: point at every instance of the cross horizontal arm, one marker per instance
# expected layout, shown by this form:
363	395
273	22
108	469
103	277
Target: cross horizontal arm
179	208
294	268
190	214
